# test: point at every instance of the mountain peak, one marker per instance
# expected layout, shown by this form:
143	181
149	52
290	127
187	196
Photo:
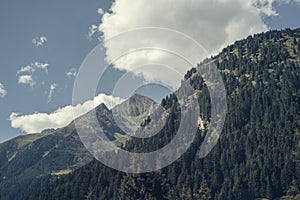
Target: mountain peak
139	97
102	106
135	106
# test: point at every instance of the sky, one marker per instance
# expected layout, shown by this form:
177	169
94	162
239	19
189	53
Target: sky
44	43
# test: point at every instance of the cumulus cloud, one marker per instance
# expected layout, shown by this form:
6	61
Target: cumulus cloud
213	24
61	117
25	74
26	79
39	41
72	73
52	88
3	91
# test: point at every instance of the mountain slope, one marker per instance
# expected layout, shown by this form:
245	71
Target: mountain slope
257	155
28	162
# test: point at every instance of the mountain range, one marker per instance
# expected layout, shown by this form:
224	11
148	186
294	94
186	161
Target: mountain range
256	157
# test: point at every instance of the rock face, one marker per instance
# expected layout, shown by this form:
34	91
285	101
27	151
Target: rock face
140	116
29	161
257	155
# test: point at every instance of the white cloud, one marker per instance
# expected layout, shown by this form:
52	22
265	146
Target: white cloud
100	11
72	73
213	24
26	69
39	41
33	67
25	74
3	91
43	66
52	88
26	79
205	20
61	117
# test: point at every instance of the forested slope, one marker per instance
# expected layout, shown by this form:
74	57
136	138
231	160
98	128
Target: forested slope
257	155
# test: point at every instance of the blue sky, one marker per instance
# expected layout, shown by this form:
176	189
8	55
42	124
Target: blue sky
61	28
65	24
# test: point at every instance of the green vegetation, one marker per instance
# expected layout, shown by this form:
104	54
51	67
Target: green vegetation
28	162
257	155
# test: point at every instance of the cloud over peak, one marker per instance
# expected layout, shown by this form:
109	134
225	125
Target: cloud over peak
213	24
37	122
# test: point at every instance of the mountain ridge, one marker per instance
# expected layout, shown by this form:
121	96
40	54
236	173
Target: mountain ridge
254	157
258	153
29	161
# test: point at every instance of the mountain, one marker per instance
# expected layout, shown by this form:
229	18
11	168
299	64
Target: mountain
139	116
257	155
28	162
